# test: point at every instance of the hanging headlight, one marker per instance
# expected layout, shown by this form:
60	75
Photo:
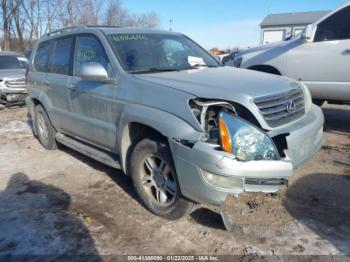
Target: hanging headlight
245	141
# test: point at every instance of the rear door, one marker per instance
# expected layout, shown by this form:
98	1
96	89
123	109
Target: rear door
95	106
37	77
59	73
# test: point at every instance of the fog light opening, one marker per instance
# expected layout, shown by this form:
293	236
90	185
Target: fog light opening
220	181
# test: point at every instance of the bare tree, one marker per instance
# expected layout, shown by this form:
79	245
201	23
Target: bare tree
116	15
5	24
89	12
147	20
8	9
24	21
32	13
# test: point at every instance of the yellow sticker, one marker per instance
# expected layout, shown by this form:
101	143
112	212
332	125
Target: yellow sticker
127	37
87	54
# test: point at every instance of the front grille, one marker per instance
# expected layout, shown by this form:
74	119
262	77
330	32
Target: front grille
275	109
15	82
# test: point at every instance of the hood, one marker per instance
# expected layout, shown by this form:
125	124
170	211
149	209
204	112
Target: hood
269	46
9	73
226	83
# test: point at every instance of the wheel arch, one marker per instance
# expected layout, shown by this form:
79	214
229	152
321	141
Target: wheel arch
266	69
138	121
37	98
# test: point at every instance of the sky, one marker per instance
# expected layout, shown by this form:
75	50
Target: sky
223	23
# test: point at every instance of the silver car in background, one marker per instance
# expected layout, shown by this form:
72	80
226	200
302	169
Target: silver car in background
320	58
12	78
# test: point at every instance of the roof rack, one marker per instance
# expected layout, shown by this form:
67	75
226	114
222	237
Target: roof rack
64	29
105	26
69	28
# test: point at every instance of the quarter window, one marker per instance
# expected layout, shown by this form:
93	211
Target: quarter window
42	57
61	57
335	27
90	50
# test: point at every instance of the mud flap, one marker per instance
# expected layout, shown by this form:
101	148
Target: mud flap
234	228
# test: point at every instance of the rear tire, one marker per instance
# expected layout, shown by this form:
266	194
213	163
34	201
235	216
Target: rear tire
44	129
155	180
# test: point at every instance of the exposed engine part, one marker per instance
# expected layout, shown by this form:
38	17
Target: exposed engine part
206	113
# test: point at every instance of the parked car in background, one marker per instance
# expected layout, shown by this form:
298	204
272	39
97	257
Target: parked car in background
320	58
158	106
12	78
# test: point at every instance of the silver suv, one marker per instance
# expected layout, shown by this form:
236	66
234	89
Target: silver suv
12	85
159	107
320	57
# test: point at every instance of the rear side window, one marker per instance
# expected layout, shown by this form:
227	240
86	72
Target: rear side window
61	56
42	57
335	27
90	50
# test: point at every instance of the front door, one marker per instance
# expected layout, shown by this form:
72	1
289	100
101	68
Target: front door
94	104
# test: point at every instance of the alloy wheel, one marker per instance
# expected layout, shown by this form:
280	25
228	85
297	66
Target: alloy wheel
158	180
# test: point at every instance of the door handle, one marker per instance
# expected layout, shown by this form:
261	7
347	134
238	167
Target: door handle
346	52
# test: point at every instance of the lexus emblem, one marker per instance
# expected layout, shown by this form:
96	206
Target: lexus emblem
290	106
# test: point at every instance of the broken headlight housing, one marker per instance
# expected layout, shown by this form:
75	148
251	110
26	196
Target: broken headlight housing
245	141
223	125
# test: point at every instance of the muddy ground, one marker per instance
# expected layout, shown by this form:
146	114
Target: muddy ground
61	202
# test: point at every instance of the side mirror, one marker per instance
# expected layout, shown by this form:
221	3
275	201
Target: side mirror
308	34
94	72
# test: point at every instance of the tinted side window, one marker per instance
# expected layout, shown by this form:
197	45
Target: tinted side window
61	56
335	27
90	50
42	57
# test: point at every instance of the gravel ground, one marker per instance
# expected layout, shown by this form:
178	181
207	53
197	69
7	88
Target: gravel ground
63	203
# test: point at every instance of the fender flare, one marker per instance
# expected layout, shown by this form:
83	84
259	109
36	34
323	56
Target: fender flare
39	96
167	124
265	69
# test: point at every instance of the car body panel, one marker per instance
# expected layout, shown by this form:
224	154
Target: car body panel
12	85
304	140
101	113
323	66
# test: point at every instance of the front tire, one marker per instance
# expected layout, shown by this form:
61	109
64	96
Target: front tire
155	180
45	130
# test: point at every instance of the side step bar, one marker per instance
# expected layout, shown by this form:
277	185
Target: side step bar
89	150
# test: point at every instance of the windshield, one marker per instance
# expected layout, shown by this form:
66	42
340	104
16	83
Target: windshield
12	62
141	53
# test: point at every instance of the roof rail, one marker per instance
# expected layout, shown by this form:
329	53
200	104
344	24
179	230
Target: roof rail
69	28
106	26
64	29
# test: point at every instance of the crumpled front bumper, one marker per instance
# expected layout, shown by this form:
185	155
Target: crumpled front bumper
12	95
303	141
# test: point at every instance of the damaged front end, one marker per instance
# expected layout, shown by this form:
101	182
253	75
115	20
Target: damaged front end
13	90
237	155
224	125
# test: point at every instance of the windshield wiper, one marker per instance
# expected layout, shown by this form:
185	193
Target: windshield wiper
198	66
153	70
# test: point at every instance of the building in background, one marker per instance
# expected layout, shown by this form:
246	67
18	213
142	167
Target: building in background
277	27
